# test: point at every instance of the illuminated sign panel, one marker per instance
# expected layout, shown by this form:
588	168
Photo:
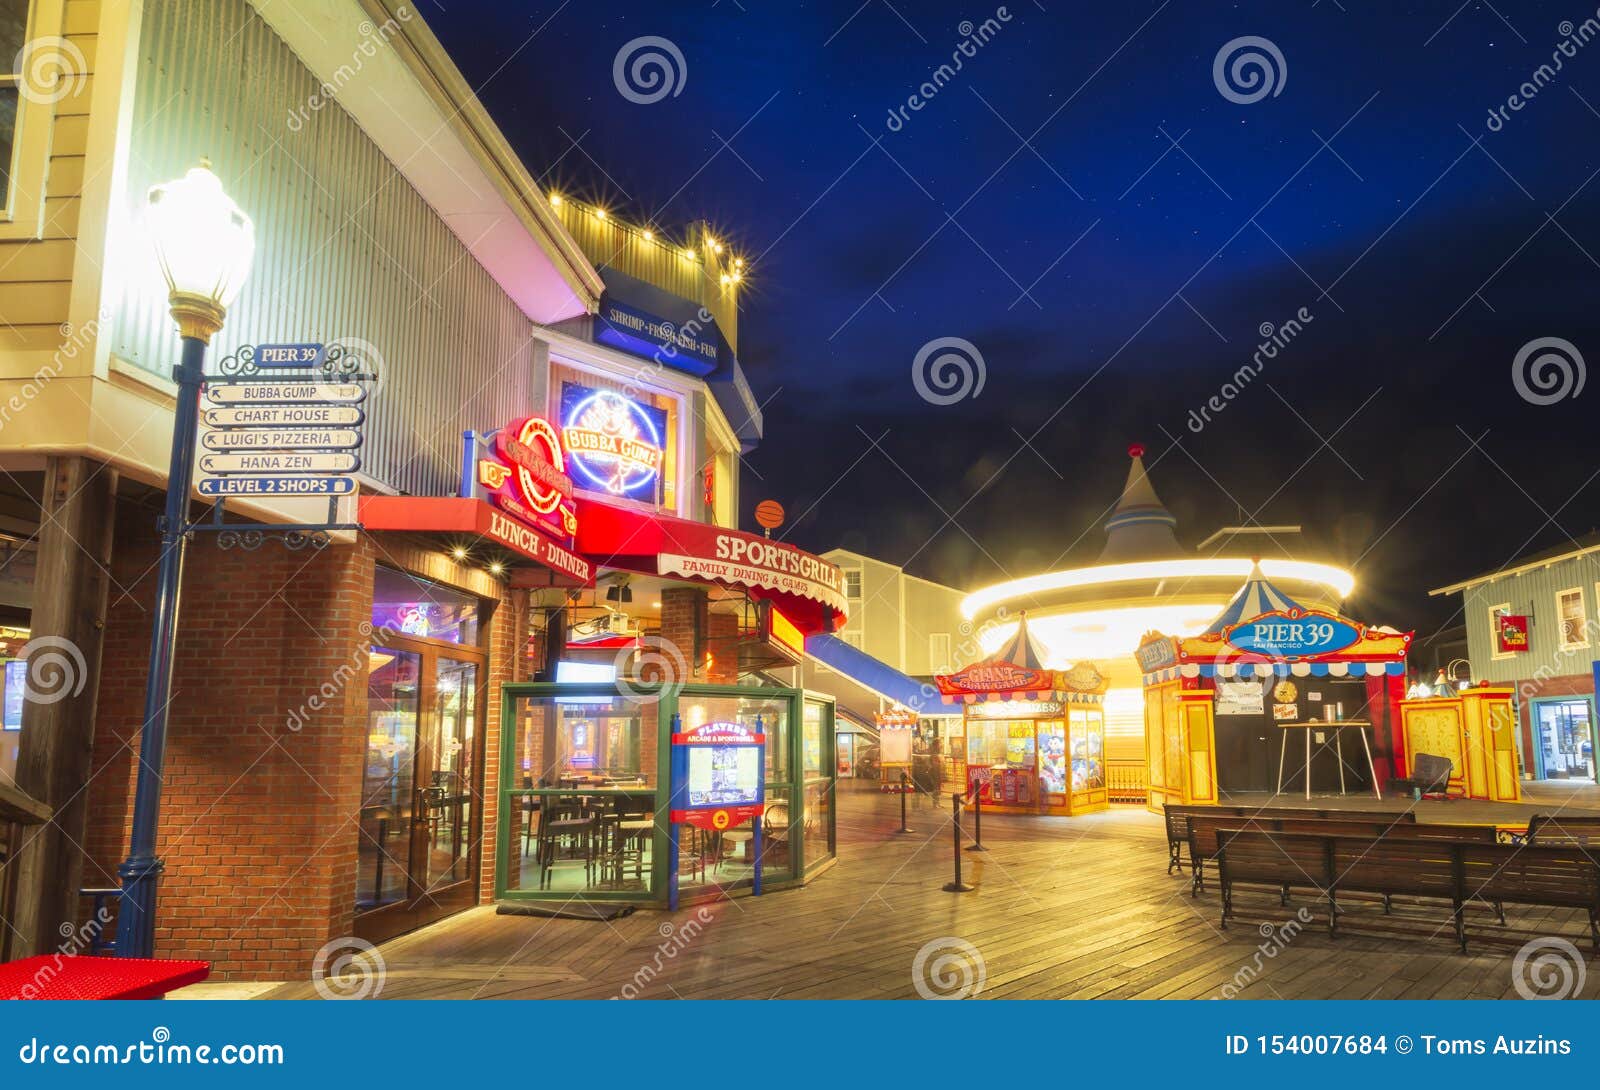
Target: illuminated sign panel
614	444
525	475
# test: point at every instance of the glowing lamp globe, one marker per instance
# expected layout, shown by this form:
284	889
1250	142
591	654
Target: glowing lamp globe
204	243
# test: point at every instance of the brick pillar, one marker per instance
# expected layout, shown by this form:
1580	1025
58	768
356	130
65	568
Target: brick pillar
722	632
683	628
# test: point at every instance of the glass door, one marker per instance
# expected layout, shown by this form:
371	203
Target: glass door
421	786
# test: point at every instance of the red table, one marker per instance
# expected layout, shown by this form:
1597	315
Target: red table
50	976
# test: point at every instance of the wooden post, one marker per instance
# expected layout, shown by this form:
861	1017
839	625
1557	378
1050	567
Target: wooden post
56	750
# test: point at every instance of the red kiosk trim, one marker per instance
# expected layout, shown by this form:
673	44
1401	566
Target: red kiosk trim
808	589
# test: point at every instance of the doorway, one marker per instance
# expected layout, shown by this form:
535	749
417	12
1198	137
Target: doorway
1563	732
422	784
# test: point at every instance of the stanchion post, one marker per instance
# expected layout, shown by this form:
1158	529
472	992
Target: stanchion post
977	819
903	782
957	886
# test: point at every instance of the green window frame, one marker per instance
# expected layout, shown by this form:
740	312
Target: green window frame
510	793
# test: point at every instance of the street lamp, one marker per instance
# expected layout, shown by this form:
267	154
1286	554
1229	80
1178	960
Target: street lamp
204	244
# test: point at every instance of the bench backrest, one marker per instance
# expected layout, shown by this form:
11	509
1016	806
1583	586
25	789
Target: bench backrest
1274	858
1177	816
1530	874
1575	831
1204	830
1460	870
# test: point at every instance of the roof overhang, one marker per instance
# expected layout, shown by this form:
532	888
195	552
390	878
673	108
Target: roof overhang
413	102
1517	569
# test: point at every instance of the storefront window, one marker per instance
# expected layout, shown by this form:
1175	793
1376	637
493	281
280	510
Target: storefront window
811	748
408	606
1566	739
583	802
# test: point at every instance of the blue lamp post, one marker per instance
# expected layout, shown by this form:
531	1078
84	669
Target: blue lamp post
204	244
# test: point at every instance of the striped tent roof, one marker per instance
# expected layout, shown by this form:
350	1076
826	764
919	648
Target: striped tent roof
1020	650
1256	597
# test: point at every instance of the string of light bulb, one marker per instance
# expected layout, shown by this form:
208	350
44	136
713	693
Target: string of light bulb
734	275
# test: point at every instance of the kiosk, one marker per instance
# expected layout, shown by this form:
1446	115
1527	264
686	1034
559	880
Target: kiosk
1271	697
1476	730
718	782
1032	740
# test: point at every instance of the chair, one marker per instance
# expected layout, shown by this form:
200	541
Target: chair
1430	777
775	829
694	849
572	825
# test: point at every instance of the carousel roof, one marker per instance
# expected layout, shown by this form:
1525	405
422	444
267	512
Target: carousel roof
1256	597
1141	526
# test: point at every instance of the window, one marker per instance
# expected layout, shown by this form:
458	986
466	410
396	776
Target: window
39	72
405	605
939	653
852	583
13	33
1574	621
1495	613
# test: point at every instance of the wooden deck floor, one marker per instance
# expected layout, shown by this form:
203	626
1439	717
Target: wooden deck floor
1078	907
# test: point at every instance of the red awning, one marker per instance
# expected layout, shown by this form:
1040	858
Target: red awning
807	588
454	515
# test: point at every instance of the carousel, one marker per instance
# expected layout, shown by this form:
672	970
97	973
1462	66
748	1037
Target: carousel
1030	740
1273	698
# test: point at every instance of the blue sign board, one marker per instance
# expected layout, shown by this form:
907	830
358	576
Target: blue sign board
690	345
718	781
277	486
1280	635
289	355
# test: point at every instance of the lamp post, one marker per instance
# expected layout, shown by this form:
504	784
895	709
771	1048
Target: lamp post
204	244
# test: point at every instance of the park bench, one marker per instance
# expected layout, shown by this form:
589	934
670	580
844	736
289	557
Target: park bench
1428	869
1177	821
1562	830
1176	818
1204	830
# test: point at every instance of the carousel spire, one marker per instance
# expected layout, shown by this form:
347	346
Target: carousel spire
1141	527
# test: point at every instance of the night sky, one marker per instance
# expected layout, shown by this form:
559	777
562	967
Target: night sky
1111	281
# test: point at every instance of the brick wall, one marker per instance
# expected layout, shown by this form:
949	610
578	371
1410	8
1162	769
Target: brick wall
266	740
1529	690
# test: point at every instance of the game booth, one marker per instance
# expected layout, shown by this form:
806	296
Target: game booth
1031	740
1272	698
1476	730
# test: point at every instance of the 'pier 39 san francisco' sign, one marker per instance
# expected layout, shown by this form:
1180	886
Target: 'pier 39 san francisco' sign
1293	635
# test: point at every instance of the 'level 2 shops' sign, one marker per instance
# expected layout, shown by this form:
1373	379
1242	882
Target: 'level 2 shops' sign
614	444
1292	635
524	473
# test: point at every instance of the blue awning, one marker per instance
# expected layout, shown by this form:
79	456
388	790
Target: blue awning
870	673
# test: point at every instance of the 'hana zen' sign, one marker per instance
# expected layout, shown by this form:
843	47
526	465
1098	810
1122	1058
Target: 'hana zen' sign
1293	635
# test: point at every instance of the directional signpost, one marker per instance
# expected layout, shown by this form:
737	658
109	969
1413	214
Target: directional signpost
266	432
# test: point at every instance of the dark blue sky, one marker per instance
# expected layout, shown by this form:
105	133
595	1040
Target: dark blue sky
1425	261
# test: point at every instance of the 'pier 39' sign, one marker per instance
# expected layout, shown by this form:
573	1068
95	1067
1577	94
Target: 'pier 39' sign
1293	635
